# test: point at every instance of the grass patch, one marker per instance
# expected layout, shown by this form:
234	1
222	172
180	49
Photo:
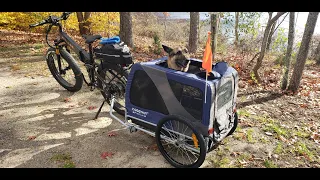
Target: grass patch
275	128
301	134
244	157
242	112
250	136
310	62
69	164
264	140
301	149
261	119
61	157
239	134
220	163
279	149
221	152
269	164
65	159
38	46
243	99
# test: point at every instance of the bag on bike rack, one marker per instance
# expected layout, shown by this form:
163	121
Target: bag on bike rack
114	53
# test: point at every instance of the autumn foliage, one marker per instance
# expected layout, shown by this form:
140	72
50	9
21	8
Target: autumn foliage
105	23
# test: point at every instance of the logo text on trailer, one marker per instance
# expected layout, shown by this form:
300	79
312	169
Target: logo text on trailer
139	112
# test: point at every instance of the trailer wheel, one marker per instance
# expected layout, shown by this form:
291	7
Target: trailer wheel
180	143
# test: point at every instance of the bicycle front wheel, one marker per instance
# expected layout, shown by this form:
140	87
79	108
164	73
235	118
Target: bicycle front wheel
64	69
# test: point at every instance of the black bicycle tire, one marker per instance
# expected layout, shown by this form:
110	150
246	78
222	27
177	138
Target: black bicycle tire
75	68
200	138
102	73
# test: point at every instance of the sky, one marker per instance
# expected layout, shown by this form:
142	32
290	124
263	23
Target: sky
302	19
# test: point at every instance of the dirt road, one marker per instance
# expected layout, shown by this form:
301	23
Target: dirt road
43	125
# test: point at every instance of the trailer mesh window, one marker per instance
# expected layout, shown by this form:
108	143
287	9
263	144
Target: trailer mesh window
189	97
143	93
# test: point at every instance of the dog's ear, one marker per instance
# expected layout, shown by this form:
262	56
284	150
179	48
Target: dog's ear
167	49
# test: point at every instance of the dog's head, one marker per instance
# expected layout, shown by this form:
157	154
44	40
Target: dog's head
178	58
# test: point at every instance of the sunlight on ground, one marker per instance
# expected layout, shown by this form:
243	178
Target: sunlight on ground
93	125
38	118
33	99
86	128
20	156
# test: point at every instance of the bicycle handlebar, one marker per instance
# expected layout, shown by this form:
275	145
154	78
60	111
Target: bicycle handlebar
51	19
39	23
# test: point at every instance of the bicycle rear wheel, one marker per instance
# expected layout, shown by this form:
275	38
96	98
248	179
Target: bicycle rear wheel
116	78
180	143
69	74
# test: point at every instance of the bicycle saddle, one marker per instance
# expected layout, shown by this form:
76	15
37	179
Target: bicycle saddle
90	39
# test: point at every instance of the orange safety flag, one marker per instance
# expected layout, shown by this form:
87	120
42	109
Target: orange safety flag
207	56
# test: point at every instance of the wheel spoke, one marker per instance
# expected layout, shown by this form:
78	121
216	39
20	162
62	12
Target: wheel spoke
187	155
177	143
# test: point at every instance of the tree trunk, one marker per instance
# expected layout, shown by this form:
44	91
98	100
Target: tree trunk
318	54
289	50
270	35
264	44
214	32
126	28
194	27
84	23
303	51
236	29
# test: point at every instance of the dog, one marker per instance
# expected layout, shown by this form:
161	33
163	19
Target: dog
178	58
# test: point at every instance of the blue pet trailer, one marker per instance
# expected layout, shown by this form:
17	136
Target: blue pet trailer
186	119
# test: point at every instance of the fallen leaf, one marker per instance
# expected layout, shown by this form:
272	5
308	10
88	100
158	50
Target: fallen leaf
8	87
276	156
112	134
82	103
243	162
303	105
104	155
67	100
268	133
315	137
283	139
15	67
153	147
250	82
92	107
31	137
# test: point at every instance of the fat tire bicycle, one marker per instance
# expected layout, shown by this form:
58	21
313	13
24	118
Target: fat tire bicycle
107	76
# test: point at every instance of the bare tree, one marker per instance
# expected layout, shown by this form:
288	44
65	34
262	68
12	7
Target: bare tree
194	27
126	28
84	23
289	51
264	43
303	51
270	35
214	31
236	33
318	54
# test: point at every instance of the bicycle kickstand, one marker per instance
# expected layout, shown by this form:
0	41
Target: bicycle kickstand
99	109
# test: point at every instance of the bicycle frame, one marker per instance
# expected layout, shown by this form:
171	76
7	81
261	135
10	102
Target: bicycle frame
64	40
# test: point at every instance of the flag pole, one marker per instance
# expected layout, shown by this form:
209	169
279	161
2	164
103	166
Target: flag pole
205	89
207	63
